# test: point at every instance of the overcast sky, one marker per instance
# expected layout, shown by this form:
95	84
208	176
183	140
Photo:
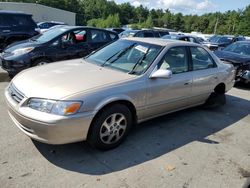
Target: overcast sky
191	6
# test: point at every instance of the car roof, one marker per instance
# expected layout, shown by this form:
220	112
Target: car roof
159	41
66	27
14	12
56	22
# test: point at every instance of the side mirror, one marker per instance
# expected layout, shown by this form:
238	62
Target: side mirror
161	73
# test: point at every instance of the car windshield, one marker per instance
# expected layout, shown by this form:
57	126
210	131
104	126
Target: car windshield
49	35
239	48
126	56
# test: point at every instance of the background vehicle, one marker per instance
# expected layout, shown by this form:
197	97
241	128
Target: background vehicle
218	42
184	38
117	30
144	33
99	98
15	26
128	33
238	54
44	26
54	45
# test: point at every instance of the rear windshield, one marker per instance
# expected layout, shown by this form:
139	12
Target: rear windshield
16	20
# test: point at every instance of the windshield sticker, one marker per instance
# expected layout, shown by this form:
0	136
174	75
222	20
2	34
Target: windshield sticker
142	48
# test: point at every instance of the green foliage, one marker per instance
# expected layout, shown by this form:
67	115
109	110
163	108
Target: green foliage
111	21
106	13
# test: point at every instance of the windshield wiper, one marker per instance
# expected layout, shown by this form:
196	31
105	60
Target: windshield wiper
121	54
139	62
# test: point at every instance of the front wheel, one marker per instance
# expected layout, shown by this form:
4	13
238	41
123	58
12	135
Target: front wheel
110	127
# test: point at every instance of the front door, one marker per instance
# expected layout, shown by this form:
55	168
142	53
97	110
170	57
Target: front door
166	95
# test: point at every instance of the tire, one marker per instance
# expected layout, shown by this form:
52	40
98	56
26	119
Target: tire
215	100
11	75
40	62
110	127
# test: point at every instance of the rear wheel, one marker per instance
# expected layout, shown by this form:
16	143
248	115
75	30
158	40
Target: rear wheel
110	127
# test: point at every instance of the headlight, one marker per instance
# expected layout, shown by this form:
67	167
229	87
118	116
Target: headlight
22	51
55	107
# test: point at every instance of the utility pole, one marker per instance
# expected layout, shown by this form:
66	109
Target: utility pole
216	24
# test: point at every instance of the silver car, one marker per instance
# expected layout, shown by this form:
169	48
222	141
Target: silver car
99	98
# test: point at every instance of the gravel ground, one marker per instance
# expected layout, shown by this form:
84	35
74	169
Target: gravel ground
192	148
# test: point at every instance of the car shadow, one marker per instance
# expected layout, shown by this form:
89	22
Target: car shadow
4	77
148	140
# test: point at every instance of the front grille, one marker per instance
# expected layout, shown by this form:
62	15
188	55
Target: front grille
15	94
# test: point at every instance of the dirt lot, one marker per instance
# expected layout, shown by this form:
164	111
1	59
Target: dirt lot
191	148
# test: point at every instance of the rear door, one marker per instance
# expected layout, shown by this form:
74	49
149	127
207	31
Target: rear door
204	74
98	38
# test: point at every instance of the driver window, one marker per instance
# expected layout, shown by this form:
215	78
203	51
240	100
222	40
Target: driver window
175	60
69	38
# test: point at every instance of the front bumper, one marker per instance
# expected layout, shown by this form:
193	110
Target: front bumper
15	65
48	128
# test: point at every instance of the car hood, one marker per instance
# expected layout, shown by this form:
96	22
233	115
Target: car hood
66	78
21	44
232	57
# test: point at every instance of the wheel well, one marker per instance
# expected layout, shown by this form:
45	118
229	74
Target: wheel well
220	88
39	58
128	104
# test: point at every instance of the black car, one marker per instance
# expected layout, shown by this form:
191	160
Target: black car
54	45
237	54
152	33
15	26
183	38
218	42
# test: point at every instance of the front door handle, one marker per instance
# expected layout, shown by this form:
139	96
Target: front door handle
187	83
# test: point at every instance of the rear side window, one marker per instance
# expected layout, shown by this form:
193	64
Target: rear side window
22	20
98	36
4	21
162	33
175	60
157	34
112	36
148	34
139	34
201	59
